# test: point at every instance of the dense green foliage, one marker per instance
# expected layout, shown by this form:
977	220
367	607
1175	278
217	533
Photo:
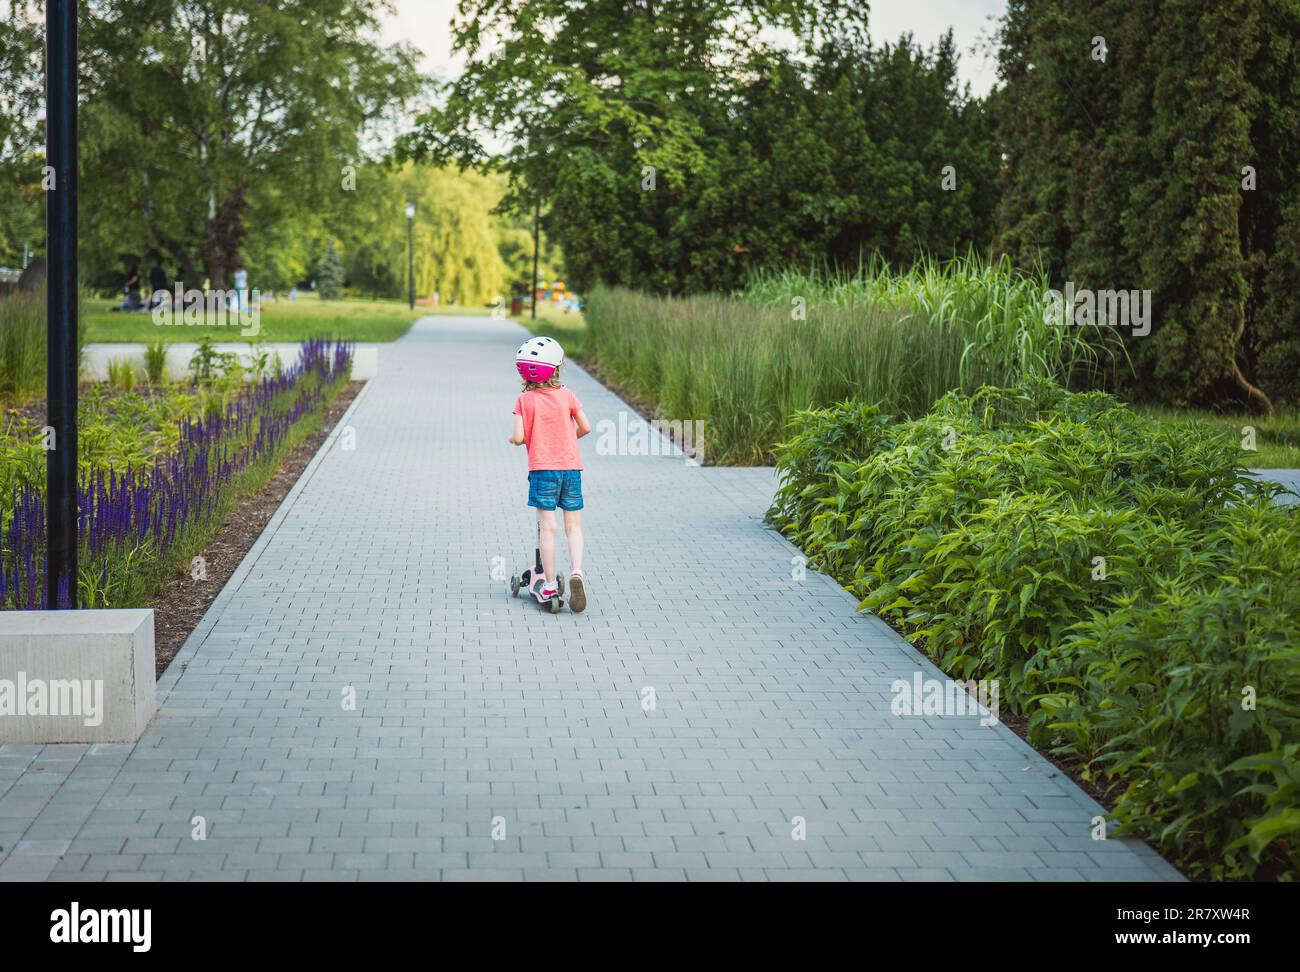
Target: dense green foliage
22	92
977	529
212	132
194	105
792	341
676	146
1132	172
275	141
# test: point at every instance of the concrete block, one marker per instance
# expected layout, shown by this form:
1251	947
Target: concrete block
76	676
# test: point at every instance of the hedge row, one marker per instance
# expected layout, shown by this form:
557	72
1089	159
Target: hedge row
1135	593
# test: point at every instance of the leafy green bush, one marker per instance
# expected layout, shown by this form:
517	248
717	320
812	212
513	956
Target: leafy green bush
1134	592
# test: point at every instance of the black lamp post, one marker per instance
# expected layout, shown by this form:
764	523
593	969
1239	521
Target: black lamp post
410	252
61	300
537	222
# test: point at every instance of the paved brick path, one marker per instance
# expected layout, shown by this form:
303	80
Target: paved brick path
475	711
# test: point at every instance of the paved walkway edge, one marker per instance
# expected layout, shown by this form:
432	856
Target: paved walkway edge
171	675
1034	758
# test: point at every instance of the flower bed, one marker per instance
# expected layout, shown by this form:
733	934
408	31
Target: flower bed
141	521
1132	590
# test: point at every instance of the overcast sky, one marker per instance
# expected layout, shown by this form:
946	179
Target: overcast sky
424	24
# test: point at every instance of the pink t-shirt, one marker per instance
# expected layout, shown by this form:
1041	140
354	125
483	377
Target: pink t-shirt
549	429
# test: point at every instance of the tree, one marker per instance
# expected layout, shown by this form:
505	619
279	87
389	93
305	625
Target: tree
191	104
329	274
1131	172
456	246
597	98
22	198
675	146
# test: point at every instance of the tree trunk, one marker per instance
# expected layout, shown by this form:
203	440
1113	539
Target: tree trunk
181	254
178	251
1252	392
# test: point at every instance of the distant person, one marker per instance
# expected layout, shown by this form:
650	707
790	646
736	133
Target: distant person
132	290
32	279
180	276
293	294
241	287
157	283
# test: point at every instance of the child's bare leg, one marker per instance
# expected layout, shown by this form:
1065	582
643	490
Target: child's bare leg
573	531
547	530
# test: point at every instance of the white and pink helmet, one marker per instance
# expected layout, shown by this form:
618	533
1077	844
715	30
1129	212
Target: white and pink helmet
538	358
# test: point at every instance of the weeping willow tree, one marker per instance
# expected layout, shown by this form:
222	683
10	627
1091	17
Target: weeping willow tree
457	245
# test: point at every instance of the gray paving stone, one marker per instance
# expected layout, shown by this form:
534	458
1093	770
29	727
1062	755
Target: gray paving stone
377	576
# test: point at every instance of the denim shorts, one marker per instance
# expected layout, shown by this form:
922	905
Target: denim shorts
548	488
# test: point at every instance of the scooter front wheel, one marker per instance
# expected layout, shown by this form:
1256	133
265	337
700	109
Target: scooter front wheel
515	584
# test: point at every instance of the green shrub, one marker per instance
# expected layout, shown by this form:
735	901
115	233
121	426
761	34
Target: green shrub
1123	579
121	373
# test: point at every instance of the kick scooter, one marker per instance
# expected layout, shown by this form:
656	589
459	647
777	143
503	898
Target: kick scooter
524	581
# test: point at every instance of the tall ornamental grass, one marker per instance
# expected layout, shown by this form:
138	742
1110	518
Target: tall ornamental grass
800	339
22	346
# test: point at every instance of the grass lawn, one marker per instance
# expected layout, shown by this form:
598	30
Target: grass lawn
353	319
1277	440
569	329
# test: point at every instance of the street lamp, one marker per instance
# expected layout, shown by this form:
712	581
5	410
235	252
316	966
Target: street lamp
537	222
410	252
61	302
